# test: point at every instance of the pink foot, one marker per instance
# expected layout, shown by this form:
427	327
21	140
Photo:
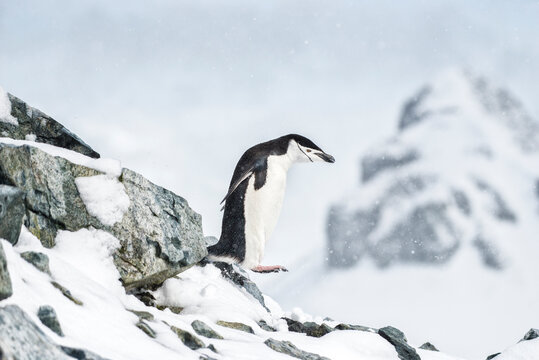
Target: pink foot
269	269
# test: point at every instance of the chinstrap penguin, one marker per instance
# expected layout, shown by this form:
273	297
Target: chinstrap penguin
254	199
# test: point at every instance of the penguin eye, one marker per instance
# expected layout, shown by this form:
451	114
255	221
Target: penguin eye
309	150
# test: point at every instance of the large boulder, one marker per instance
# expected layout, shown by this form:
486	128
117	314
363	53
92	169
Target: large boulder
450	178
51	196
160	235
11	213
29	123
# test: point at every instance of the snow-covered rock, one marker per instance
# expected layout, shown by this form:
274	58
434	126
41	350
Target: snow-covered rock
461	172
159	234
20	121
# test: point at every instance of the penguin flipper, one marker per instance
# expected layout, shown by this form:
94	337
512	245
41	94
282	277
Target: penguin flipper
234	186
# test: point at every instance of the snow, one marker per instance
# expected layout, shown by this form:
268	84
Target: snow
104	197
82	262
524	350
109	166
30	137
5	109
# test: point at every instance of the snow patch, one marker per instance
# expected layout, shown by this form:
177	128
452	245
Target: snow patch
104	197
30	137
109	166
5	109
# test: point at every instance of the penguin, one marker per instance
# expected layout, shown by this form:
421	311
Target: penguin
255	195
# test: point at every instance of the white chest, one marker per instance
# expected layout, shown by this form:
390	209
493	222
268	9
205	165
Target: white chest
262	209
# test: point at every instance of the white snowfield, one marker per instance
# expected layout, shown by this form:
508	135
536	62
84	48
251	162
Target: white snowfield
81	261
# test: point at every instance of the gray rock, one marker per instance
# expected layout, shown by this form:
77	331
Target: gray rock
355	327
309	328
286	347
11	212
531	334
81	354
160	235
6	290
23	340
67	293
228	271
33	122
146	329
490	357
51	197
188	339
39	260
236	326
428	346
396	338
142	315
47	315
203	329
264	326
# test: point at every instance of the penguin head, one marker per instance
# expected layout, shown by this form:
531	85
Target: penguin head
301	149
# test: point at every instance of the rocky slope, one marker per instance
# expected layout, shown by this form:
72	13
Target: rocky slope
461	172
96	262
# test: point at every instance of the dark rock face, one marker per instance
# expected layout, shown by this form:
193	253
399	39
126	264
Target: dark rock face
236	326
6	289
425	193
39	260
286	347
396	338
34	123
47	316
11	213
22	339
204	330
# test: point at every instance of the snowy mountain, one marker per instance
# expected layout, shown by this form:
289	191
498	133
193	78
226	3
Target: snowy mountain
440	235
461	172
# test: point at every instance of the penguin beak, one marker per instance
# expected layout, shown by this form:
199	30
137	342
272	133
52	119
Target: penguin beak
326	157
